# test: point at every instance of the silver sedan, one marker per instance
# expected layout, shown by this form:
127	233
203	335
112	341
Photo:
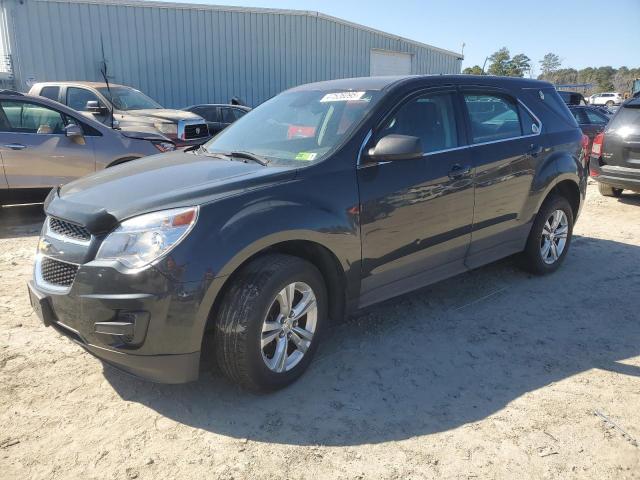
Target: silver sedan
44	144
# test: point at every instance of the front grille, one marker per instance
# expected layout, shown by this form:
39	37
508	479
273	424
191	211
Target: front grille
68	229
58	273
195	131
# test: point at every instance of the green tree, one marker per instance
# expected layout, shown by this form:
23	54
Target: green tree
499	62
475	70
519	65
549	63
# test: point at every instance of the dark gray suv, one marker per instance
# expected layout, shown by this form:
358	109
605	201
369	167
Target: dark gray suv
264	238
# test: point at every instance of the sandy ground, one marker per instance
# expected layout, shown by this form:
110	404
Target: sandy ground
492	374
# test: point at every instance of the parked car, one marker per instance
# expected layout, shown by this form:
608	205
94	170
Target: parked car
131	109
265	238
615	155
591	121
572	98
606	98
218	116
44	144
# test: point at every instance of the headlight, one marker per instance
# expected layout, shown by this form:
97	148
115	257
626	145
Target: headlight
141	240
167	128
164	146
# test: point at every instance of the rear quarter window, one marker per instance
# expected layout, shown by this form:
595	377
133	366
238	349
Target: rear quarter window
548	100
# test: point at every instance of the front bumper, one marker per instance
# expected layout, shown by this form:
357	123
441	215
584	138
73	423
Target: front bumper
142	323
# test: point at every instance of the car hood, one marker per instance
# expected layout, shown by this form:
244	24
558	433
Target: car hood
163	114
177	179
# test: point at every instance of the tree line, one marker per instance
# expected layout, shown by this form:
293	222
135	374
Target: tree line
602	78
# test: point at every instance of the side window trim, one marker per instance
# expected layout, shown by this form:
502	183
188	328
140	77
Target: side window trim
496	91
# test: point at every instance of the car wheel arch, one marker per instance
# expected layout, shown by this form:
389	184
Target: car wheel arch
312	250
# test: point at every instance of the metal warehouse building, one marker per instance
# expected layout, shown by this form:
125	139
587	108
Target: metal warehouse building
181	54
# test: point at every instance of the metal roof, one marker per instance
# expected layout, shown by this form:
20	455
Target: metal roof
280	11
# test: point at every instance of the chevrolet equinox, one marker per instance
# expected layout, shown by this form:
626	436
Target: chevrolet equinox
323	200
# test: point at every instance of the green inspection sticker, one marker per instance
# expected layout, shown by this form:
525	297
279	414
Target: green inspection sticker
308	156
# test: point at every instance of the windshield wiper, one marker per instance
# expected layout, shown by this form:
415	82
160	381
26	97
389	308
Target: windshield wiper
239	154
250	156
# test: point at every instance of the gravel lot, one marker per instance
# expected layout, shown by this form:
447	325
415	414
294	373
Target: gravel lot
492	374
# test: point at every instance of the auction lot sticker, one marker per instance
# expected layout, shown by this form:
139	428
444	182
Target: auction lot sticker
342	96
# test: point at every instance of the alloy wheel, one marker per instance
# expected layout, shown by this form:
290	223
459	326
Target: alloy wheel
288	329
554	237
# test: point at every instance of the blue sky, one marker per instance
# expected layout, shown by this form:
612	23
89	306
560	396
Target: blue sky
584	33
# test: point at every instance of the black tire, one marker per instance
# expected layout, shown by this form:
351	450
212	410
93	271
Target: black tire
532	260
610	103
246	303
608	190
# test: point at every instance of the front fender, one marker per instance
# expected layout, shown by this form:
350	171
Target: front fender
230	231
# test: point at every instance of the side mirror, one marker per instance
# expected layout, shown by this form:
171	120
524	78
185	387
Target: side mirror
74	132
396	147
94	106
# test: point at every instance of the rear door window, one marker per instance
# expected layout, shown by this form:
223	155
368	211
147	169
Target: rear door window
492	117
227	115
52	93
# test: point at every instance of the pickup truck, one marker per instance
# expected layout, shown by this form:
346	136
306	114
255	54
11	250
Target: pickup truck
126	108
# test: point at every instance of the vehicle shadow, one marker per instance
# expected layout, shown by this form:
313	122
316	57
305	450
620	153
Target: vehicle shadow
21	220
630	198
432	360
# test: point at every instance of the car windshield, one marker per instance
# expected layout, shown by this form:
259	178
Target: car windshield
126	98
298	127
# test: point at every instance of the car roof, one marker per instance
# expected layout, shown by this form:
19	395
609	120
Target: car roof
387	82
72	83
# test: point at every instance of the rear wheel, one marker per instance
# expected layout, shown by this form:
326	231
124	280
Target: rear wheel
270	322
610	103
550	237
608	190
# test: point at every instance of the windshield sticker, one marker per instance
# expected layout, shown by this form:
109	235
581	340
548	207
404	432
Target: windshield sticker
342	97
307	156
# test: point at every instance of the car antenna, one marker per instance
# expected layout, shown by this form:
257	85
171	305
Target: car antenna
103	71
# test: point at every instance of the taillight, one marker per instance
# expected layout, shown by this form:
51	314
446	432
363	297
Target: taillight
596	148
585	144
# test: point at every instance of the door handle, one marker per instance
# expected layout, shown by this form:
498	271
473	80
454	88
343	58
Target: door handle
458	171
15	146
535	150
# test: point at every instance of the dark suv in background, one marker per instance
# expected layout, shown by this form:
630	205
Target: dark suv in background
615	155
264	238
218	116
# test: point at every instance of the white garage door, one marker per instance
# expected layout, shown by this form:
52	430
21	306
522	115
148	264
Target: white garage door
384	62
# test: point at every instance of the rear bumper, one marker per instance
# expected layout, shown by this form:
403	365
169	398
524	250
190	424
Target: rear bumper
617	177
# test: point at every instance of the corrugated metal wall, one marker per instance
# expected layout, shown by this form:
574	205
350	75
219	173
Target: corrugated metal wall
4	37
185	54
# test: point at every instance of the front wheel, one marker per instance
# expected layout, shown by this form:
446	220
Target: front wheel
550	237
270	322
